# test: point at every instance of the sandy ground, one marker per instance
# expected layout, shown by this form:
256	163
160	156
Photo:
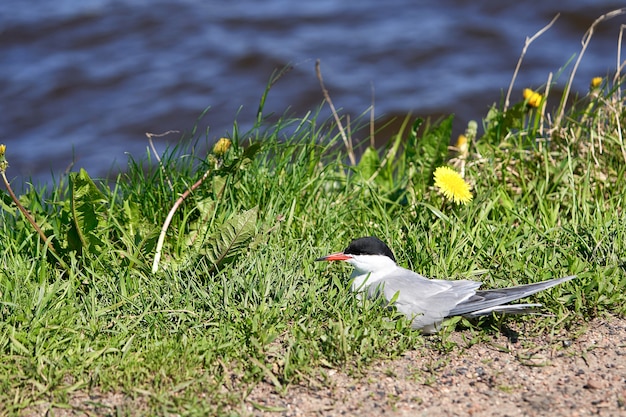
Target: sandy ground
508	376
539	377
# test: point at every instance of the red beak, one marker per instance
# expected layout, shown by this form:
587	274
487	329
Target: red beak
339	256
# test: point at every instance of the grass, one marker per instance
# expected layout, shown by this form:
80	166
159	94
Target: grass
237	298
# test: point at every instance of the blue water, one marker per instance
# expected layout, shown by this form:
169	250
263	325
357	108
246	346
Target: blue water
82	81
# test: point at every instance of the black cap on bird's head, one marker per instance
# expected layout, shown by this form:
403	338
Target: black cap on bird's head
370	245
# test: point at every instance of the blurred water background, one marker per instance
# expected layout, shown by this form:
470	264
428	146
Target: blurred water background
81	81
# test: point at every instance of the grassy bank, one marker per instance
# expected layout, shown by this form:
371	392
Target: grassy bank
236	297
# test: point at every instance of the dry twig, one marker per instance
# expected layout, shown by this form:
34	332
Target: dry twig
585	42
346	139
521	58
156	154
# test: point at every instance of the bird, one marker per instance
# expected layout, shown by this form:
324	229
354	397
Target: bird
428	302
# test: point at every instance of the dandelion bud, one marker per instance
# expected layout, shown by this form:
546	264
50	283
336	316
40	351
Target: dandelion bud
3	162
596	82
221	147
461	143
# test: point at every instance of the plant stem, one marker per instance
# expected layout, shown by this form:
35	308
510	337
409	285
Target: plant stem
168	220
521	58
347	140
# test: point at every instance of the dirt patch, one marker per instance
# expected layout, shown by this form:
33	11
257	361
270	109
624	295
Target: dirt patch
543	376
554	376
94	403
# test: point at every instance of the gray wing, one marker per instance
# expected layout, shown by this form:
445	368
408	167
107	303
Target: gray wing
426	301
488	301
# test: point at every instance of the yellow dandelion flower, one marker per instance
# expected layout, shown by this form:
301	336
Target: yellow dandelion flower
532	98
3	149
596	82
222	146
452	185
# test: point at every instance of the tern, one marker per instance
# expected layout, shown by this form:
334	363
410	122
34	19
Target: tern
427	302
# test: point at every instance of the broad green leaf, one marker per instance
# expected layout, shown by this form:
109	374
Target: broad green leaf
88	210
67	228
369	163
6	203
131	211
219	183
135	227
252	150
201	226
231	239
411	146
499	124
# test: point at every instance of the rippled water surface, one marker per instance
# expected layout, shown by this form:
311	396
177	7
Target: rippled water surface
83	80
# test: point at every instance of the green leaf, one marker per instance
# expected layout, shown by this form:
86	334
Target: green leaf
231	239
244	160
219	183
87	205
6	203
394	164
252	150
411	148
202	224
432	149
131	212
369	163
499	124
